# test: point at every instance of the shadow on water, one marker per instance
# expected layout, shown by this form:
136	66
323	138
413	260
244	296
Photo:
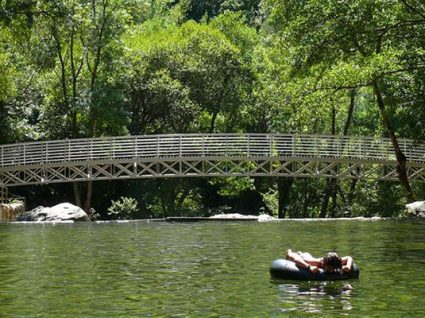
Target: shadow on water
314	297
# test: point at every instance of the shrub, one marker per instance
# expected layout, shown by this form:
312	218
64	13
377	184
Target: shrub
124	208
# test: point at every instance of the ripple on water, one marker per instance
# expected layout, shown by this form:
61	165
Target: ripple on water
200	270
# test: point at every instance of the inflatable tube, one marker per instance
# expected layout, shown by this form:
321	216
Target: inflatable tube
285	269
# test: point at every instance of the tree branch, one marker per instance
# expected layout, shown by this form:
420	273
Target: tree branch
412	8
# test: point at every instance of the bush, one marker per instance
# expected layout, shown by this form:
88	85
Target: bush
124	208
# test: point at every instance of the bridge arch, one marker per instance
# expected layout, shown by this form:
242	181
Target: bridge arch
200	155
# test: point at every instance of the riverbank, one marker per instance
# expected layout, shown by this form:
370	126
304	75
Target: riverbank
68	213
212	220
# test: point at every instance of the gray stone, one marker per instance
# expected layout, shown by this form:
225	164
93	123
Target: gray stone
60	212
415	209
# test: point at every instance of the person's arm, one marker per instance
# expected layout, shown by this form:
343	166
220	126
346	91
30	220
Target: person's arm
347	263
300	262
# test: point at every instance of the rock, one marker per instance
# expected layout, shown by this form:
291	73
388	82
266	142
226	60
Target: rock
232	216
9	211
237	216
60	212
265	218
415	209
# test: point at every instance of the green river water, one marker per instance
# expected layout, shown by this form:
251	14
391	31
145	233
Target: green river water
212	269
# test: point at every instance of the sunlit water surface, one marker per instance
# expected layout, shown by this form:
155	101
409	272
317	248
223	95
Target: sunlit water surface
214	269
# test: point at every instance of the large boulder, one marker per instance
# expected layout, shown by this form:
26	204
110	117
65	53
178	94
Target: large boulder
416	209
60	212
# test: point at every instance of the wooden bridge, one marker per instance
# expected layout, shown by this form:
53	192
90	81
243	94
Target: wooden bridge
200	155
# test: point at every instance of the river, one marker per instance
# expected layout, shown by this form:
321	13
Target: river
211	269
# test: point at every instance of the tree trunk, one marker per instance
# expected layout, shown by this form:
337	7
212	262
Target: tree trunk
334	190
330	192
212	124
346	129
351	193
77	193
89	192
350	112
330	182
401	158
325	200
284	185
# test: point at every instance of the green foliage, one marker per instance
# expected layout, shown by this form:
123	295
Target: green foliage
6	72
12	78
172	197
234	27
123	209
270	199
180	72
232	186
5	86
78	68
327	46
200	10
378	199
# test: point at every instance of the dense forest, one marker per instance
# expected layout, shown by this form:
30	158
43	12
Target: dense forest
79	68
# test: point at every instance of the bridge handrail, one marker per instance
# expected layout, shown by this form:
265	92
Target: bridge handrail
207	145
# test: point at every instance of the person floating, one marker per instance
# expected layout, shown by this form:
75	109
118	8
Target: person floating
330	263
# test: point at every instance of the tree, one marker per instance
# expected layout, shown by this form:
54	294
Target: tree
13	124
195	65
5	89
76	42
333	49
201	9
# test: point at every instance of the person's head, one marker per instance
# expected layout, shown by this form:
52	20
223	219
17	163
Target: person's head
331	262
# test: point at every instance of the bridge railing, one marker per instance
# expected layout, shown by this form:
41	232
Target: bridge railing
208	145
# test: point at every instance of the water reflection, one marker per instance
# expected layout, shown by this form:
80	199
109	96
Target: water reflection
205	270
315	297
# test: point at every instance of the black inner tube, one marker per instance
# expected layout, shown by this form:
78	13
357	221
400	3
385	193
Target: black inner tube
285	269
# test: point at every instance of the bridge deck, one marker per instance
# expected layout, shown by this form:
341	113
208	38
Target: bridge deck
206	155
